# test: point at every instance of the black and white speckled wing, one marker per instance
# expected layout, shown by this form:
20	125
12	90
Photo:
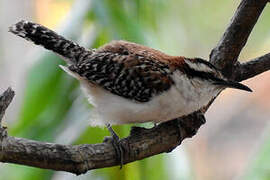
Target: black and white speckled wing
126	69
131	76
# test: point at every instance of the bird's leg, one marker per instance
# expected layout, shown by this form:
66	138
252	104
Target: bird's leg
114	139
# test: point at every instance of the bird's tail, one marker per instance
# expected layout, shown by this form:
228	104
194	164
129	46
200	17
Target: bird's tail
40	35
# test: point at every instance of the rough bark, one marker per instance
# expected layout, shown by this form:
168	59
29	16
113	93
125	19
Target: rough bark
226	53
141	142
252	68
79	159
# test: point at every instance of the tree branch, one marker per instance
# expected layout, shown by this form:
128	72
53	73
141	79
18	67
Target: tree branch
5	100
226	53
79	159
141	142
253	67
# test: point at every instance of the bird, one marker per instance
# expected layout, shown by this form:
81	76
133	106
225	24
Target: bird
132	83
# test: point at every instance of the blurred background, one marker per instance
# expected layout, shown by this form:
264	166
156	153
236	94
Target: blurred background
49	106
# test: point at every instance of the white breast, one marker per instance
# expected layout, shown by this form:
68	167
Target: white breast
181	99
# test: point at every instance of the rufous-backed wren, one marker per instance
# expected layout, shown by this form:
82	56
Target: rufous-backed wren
132	83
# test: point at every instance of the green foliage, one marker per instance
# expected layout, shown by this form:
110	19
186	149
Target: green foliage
110	16
259	168
46	101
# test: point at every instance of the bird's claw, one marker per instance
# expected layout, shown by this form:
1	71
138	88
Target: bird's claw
115	141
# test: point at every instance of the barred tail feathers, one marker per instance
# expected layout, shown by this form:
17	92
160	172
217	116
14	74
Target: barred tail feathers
50	40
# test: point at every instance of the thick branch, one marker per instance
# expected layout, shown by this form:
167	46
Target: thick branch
226	53
253	67
142	142
79	159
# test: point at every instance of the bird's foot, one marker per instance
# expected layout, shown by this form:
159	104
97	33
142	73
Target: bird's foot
115	140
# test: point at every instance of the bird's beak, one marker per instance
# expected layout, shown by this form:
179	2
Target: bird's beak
233	84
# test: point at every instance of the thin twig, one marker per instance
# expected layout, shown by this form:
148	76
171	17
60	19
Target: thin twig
5	100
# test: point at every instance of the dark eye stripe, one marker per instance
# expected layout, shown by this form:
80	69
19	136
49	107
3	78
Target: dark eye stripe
192	73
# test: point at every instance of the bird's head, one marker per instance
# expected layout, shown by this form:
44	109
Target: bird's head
204	70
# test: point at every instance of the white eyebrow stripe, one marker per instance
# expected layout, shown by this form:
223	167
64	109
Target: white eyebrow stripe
198	66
